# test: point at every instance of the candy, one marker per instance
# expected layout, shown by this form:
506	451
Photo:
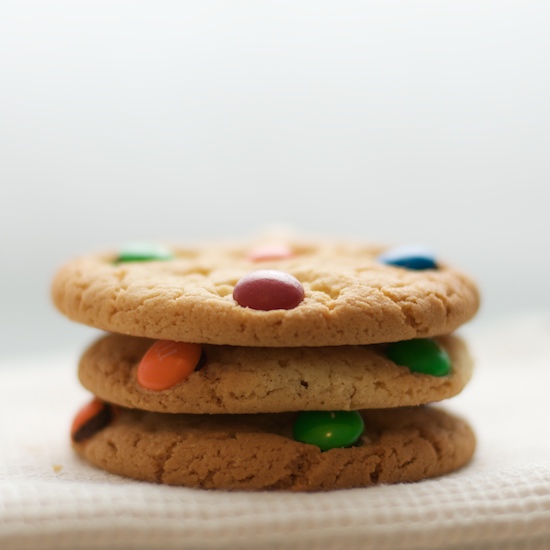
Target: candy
167	363
268	289
409	257
143	252
91	419
328	430
270	252
422	355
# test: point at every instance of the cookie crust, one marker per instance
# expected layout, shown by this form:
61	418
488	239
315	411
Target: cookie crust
253	380
350	298
257	452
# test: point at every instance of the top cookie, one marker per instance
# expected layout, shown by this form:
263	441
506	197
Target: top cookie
322	293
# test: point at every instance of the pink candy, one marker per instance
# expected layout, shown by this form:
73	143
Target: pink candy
270	252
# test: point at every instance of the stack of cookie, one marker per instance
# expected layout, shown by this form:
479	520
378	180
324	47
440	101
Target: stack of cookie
281	365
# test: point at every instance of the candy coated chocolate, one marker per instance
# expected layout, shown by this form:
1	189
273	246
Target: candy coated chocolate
268	289
167	363
328	429
143	252
422	355
270	252
90	419
409	257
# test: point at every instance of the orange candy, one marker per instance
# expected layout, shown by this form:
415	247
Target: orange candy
85	414
166	363
270	252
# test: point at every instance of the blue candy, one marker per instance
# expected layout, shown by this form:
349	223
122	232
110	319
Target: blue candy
409	257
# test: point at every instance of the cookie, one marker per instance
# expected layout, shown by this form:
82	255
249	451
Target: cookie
259	452
287	295
252	380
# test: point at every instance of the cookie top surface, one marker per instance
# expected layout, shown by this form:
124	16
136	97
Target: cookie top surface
258	452
253	380
349	296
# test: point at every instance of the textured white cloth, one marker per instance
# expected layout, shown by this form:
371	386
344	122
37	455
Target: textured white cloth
51	499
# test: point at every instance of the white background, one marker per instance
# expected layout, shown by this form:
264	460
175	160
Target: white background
401	122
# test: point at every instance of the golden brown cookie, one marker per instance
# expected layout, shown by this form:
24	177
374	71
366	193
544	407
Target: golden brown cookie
252	380
314	294
258	452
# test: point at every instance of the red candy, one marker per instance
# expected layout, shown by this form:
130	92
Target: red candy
268	289
167	363
270	252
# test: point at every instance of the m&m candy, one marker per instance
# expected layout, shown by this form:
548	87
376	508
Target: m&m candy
409	257
167	363
268	252
143	252
268	289
91	419
328	429
422	355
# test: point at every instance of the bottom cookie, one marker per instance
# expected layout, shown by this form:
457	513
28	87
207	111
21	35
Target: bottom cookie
258	452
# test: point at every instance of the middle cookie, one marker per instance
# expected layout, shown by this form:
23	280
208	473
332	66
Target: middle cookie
257	380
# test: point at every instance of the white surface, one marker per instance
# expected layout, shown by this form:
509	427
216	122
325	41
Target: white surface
399	121
500	501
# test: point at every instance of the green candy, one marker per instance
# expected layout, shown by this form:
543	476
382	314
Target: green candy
423	355
143	252
328	429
